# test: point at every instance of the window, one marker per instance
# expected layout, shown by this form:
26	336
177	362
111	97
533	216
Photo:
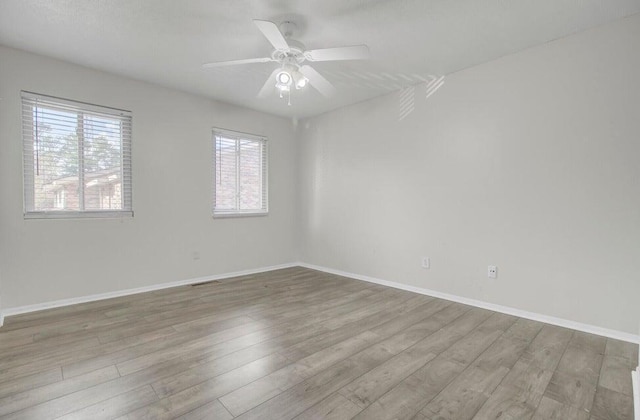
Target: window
77	159
240	174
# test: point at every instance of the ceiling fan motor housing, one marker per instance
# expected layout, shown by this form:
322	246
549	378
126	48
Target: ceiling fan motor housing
295	54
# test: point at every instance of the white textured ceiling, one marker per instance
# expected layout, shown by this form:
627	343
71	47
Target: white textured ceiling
166	41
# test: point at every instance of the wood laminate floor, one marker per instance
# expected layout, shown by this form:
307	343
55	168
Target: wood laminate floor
297	343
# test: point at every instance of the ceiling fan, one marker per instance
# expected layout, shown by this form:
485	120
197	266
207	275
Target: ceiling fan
291	56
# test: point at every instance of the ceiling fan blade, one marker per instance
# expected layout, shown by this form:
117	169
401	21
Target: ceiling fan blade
269	85
235	62
355	52
318	81
272	33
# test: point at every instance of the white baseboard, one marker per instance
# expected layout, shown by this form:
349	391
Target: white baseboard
618	335
100	296
635	377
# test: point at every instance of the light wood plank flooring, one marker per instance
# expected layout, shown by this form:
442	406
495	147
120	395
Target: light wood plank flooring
298	343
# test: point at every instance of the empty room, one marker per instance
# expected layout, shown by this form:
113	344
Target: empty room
338	209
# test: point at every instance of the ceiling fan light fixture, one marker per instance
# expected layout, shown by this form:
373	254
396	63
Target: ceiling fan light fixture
299	80
283	78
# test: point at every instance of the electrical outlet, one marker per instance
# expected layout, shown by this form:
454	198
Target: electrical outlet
425	262
195	255
493	272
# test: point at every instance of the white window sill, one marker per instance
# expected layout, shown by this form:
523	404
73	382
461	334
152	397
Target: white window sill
78	215
240	214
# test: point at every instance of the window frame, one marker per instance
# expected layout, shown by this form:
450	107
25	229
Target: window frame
264	188
29	100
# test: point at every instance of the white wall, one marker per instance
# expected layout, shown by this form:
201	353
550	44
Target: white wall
47	260
1	312
530	162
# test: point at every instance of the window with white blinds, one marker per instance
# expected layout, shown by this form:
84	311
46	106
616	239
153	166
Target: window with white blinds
77	159
240	174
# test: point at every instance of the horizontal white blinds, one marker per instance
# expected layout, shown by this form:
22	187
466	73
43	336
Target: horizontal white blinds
240	173
77	158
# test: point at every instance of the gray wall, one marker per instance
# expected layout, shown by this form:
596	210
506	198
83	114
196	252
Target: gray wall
46	260
529	162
